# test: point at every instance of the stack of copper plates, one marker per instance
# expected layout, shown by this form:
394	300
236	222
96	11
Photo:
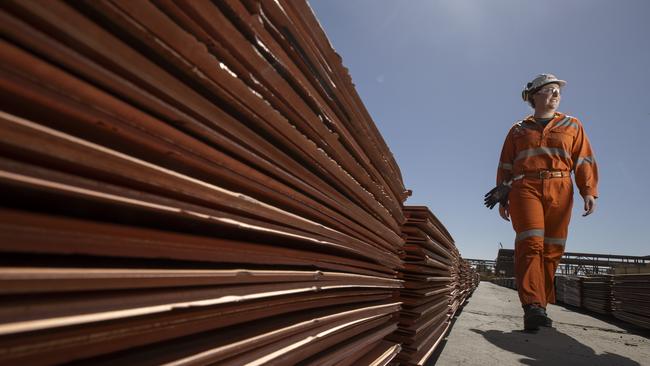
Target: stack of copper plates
597	293
476	280
465	280
199	182
631	301
505	265
568	290
429	285
508	282
457	289
192	182
468	280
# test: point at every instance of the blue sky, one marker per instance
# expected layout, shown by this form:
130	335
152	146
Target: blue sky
442	81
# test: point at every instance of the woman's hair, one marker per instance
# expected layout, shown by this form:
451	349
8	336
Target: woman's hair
530	100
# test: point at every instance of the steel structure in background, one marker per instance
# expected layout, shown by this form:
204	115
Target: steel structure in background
589	263
575	263
483	266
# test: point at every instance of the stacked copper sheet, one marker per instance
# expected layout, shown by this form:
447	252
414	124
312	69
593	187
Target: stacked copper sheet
191	182
457	288
508	282
631	303
434	285
597	293
568	290
505	264
468	280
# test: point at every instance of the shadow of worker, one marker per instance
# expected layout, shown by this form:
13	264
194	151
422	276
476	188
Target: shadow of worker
550	347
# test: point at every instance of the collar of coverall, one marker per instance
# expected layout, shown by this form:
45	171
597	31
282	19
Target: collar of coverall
556	117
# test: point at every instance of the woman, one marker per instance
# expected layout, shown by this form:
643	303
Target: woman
536	161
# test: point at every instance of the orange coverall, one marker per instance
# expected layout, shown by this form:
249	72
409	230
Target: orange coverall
540	208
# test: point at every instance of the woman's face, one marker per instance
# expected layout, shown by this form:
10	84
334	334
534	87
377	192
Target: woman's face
548	97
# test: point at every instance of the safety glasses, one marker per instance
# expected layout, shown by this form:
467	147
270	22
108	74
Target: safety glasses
549	90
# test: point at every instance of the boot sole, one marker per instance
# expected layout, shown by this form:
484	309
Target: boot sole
534	322
548	323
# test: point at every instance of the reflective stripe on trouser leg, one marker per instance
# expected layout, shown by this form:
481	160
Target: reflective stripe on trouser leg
527	214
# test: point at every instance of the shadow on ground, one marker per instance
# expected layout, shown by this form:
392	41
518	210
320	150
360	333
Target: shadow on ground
550	347
609	319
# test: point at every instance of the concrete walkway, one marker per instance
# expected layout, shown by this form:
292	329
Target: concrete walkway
489	332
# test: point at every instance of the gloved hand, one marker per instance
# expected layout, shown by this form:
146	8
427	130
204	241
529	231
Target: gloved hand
498	194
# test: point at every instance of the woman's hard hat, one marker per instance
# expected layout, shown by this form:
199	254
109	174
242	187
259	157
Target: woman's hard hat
538	82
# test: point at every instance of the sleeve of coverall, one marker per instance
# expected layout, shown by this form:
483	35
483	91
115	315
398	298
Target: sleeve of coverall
504	171
584	165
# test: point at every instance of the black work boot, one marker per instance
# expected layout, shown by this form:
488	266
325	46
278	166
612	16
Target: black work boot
534	317
548	322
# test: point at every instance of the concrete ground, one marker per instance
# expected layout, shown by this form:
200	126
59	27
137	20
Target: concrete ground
488	331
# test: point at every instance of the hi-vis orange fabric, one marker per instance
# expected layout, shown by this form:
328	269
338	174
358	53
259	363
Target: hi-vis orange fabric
540	209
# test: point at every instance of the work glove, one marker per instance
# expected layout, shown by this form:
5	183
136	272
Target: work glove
498	194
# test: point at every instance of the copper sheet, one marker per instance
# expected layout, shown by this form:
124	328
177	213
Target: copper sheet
199	182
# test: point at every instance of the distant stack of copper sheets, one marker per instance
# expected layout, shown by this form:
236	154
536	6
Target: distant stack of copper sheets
508	282
456	289
631	301
429	264
475	280
505	265
597	293
467	280
191	182
568	290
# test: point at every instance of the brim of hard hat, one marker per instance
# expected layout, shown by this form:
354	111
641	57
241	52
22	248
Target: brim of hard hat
562	83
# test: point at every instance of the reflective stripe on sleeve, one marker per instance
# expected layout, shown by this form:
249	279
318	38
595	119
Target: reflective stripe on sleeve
542	151
505	166
528	233
555	241
566	122
572	124
586	159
